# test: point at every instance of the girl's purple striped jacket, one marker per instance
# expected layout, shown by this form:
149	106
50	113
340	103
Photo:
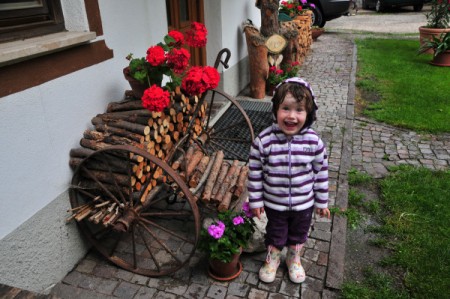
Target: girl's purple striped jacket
288	174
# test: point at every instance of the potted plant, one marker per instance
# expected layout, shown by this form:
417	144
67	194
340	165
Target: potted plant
441	48
170	59
316	31
438	21
223	241
278	73
294	8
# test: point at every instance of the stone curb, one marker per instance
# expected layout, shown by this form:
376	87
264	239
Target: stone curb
335	273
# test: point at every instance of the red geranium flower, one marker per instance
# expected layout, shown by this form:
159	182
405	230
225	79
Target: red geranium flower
196	36
200	79
179	59
156	55
155	98
178	37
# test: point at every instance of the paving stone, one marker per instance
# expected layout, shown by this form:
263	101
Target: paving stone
105	271
68	291
257	294
126	290
145	293
196	291
86	266
317	271
271	287
124	274
322	259
311	254
106	286
277	296
139	279
242	277
321	235
177	287
199	277
309	294
325	226
73	278
322	246
183	274
289	288
316	285
90	282
159	283
238	289
164	295
217	292
252	279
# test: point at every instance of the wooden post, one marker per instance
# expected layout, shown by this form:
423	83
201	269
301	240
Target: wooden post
259	67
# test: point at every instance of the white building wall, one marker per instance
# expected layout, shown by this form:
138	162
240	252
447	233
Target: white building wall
224	21
40	125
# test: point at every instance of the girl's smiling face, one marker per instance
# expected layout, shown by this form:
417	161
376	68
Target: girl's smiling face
291	115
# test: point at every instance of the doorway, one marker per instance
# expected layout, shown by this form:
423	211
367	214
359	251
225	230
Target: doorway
180	14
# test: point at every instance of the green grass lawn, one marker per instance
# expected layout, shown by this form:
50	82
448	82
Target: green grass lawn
415	228
400	87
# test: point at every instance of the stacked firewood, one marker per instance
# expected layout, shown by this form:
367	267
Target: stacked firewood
127	123
212	179
302	24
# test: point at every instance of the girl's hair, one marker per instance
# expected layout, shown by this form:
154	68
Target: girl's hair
300	92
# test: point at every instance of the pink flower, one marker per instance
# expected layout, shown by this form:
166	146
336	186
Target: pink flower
238	220
216	231
246	209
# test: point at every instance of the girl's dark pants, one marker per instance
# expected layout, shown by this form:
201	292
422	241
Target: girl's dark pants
288	227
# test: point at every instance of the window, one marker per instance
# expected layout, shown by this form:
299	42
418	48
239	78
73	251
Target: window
20	19
27	18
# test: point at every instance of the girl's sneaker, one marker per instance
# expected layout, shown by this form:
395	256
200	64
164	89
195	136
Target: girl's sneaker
296	271
268	271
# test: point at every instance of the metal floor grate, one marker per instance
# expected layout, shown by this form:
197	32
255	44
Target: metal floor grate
260	115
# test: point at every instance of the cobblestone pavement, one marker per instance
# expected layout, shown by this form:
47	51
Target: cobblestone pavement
329	69
378	146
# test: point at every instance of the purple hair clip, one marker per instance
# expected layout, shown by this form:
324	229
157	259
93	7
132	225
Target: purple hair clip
300	81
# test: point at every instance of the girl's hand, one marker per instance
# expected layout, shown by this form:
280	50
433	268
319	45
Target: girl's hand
257	212
323	212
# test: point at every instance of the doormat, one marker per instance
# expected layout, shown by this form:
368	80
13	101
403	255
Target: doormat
260	115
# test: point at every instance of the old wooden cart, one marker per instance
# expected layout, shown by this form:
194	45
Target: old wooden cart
138	208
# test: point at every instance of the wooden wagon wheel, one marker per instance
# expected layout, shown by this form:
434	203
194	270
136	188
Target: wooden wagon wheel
140	214
231	131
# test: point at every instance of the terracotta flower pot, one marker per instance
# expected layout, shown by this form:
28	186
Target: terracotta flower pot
136	86
316	32
442	59
426	34
225	271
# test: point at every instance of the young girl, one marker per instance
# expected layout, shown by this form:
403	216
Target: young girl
288	177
